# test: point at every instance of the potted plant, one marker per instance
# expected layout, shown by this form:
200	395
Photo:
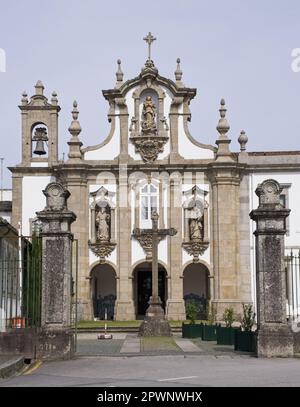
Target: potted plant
244	339
209	332
192	330
225	334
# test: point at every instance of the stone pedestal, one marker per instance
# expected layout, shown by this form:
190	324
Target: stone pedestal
155	323
175	310
55	338
274	335
275	340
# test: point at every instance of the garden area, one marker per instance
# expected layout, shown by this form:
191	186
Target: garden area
237	332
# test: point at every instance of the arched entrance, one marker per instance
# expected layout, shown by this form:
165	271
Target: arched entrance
103	289
142	286
196	286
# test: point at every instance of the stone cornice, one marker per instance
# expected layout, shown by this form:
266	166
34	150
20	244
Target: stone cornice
111	94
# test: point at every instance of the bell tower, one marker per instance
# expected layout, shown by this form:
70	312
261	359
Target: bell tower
39	128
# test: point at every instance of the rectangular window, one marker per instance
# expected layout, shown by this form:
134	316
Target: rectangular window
284	200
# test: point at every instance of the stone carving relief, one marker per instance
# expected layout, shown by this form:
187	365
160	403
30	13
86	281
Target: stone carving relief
196	220
148	122
56	197
150	133
269	192
145	240
102	242
103	224
195	223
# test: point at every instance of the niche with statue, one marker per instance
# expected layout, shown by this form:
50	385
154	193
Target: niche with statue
102	241
195	212
149	128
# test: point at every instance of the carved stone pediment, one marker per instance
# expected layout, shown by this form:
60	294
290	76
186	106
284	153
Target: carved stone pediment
195	248
102	249
149	146
56	197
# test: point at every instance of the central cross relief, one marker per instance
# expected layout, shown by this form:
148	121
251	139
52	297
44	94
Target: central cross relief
154	323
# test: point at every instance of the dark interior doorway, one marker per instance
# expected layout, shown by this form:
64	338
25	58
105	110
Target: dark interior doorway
143	277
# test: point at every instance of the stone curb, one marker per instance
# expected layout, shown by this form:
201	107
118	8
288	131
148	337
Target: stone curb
11	367
118	329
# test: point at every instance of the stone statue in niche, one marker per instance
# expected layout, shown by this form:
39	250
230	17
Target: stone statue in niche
196	222
103	224
148	122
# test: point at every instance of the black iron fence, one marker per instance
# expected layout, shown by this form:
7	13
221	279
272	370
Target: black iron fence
292	267
20	282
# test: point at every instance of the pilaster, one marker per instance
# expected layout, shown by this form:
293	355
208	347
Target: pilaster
175	309
124	308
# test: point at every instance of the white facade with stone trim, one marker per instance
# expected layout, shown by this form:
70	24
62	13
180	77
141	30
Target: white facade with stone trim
150	161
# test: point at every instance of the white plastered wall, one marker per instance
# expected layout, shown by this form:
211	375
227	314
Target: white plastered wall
33	199
186	148
110	150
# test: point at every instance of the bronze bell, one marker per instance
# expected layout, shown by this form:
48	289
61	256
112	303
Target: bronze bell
40	135
39	148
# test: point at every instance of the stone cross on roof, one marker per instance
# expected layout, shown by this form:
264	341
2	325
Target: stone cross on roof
149	39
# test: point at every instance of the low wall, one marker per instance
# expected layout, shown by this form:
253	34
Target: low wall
37	343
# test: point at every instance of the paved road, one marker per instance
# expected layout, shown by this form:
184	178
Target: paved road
143	371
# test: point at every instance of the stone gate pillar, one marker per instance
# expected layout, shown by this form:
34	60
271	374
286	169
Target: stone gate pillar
274	337
56	338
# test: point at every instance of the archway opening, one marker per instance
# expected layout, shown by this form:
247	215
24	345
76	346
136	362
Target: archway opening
103	289
142	287
196	287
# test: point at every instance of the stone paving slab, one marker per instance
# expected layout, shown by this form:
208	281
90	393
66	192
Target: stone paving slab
94	335
131	344
124	344
187	346
94	347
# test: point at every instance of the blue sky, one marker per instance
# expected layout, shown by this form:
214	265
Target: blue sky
239	50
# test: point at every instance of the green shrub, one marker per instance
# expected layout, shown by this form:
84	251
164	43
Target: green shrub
192	310
228	317
248	319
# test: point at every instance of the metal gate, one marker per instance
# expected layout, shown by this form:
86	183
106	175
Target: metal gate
292	267
20	282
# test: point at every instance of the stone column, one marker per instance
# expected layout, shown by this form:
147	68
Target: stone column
274	336
55	339
231	285
79	203
225	247
124	304
175	309
17	181
174	117
123	116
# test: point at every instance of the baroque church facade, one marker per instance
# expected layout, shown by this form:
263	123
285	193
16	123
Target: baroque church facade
150	162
